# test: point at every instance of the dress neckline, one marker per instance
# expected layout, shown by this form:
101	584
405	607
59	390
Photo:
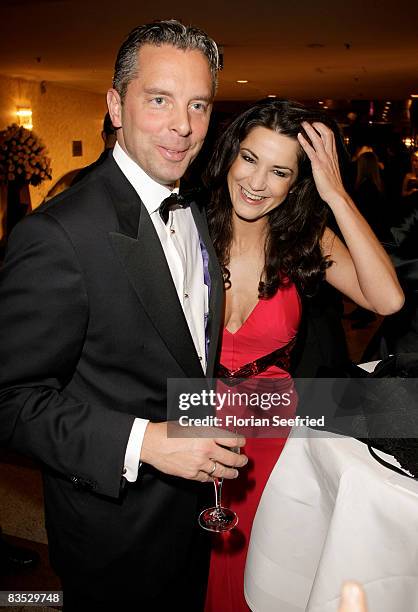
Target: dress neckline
245	322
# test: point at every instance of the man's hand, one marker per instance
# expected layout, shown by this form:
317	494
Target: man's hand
192	457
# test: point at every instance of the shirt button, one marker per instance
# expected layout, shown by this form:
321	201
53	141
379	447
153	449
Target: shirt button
124	470
186	295
172	231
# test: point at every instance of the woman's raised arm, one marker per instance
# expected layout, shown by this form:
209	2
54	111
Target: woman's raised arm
361	269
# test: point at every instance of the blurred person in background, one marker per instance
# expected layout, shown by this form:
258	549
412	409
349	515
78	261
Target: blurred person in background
108	135
369	194
410	181
399	332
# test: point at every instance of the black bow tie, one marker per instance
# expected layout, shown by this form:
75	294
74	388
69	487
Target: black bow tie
173	202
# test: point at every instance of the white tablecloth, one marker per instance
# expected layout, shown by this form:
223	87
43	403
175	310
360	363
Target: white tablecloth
330	513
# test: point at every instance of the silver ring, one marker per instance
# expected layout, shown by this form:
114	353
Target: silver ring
213	469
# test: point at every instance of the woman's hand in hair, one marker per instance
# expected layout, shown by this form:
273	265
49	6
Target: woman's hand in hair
322	153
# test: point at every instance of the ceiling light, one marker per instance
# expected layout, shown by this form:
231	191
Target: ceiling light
320	102
242	81
414	95
272	96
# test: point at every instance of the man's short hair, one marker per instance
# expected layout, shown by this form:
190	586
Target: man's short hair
169	32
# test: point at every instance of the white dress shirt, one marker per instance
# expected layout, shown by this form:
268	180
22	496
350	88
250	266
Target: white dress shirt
180	243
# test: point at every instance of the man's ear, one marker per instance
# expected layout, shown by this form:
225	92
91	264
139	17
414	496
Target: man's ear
114	105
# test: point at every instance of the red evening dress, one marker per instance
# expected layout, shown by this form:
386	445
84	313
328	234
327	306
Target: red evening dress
272	324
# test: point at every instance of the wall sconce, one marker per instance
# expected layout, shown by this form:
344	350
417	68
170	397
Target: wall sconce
24	117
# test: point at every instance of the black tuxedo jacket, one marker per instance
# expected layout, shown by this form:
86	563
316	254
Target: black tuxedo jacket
90	329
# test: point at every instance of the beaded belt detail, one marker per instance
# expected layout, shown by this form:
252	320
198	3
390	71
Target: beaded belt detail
280	358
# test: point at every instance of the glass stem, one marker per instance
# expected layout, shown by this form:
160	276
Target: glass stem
218	482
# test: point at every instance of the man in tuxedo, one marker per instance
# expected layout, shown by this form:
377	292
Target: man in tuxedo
101	303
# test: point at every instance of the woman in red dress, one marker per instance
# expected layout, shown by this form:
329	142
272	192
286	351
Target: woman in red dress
274	176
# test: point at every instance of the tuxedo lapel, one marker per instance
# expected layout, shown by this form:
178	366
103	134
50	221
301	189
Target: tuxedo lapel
216	298
143	259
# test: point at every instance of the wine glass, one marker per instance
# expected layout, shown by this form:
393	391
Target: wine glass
218	518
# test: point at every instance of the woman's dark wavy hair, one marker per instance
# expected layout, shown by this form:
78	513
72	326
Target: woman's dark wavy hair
292	250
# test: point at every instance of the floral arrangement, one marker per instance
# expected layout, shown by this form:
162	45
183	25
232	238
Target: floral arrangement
23	157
